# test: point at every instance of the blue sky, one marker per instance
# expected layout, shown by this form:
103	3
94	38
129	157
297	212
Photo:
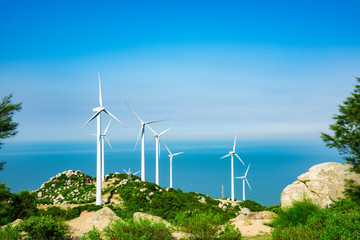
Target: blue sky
261	69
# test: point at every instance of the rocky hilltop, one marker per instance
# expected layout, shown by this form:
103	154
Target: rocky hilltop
321	183
68	187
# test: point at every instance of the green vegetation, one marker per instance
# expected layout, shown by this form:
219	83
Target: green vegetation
43	228
346	136
195	213
142	229
7	126
68	214
10	233
166	202
230	232
305	220
16	206
203	225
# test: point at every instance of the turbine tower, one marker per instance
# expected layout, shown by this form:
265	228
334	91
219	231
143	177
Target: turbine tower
232	153
142	133
129	173
171	158
97	115
157	150
245	179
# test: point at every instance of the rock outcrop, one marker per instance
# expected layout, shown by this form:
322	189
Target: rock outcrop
87	220
67	188
321	183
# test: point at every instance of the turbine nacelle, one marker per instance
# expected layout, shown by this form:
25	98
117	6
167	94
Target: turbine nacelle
98	109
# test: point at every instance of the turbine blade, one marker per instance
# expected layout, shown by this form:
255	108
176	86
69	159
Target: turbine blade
156	121
177	153
234	143
248	184
136	172
111	115
155	133
108	142
137	140
239	177
168	149
239	159
225	156
165	131
126	171
100	95
134	112
247	170
93	134
107	127
94	116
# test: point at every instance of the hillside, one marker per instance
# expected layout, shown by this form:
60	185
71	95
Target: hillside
126	196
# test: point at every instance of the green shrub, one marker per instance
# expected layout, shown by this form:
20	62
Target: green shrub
340	221
252	206
14	206
202	225
273	208
70	213
230	232
42	228
93	234
142	229
299	232
297	214
10	233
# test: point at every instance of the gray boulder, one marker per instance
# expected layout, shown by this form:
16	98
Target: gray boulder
321	183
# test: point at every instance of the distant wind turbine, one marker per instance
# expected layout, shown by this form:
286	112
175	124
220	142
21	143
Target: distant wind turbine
157	139
232	153
97	115
103	136
171	158
142	133
129	173
245	179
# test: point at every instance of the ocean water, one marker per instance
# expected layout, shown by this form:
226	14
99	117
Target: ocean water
274	164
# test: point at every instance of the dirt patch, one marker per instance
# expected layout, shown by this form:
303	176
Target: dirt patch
252	228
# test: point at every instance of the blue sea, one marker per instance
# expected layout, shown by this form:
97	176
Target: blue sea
274	164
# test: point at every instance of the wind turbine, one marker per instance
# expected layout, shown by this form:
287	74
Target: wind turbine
103	137
171	158
157	138
129	173
97	115
245	179
232	153
142	133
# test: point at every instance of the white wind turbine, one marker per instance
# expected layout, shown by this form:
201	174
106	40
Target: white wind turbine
129	173
232	153
245	179
97	115
157	138
171	158
142	133
103	137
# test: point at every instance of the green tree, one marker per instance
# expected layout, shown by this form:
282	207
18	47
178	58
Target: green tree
346	138
7	126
